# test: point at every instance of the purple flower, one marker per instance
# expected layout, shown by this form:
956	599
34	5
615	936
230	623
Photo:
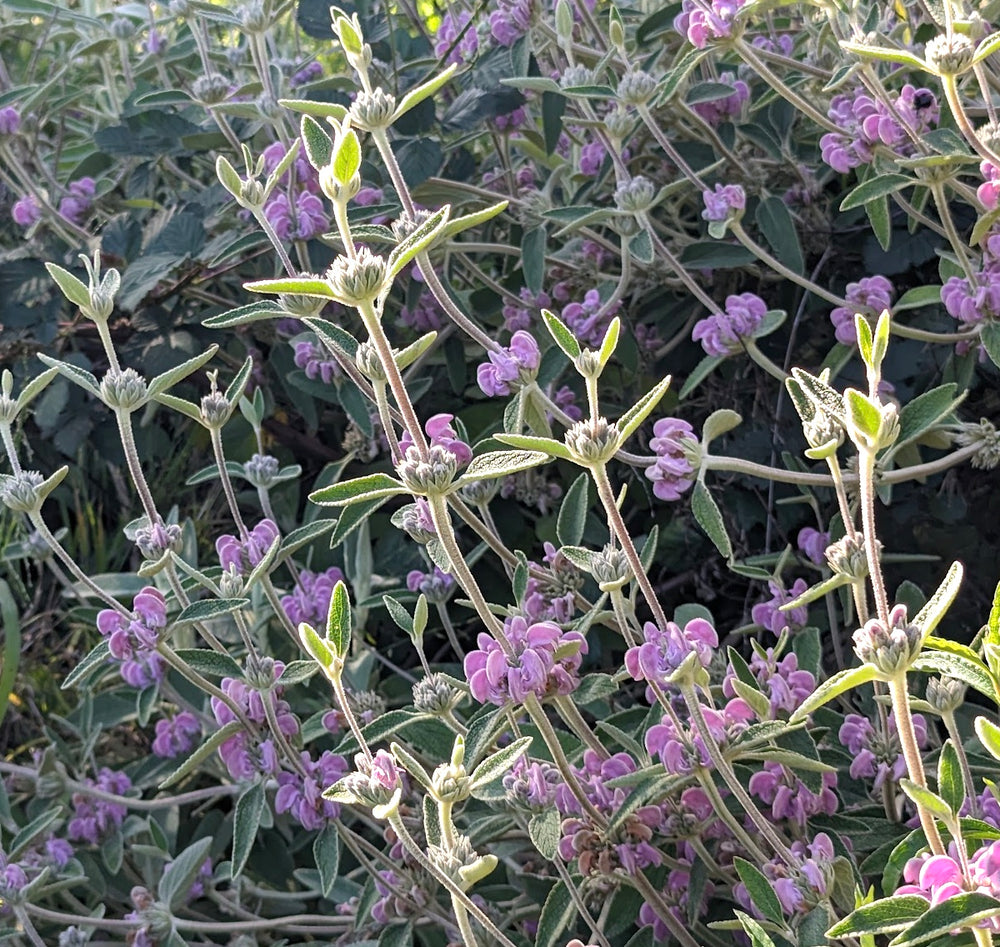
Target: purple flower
871	293
436	585
303	221
873	756
176	736
671	472
768	614
368	196
449	31
813	543
132	640
972	304
989	191
552	596
442	434
310	600
94	818
308	73
723	333
722	201
629	847
80	199
587	320
156	42
26	211
511	20
315	362
798	891
544	661
701	22
532	785
10	120
664	651
784	683
243	556
680	752
789	798
302	796
592	156
516	365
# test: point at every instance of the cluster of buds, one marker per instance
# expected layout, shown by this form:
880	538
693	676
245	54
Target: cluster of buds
889	649
375	784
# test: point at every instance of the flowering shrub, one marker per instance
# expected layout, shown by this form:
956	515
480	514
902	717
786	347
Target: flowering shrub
425	377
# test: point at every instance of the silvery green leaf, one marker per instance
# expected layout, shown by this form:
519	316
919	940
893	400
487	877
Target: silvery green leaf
500	463
174	884
529	442
72	288
316	288
210	608
559	331
229	178
493	767
456	225
78	375
34	388
412	765
184	407
629	422
718	423
418	241
337	339
706	512
989	735
346	158
355	491
840	683
319	145
961	911
254	312
930	615
426	89
414	350
316	109
238	385
887	55
246	823
338	620
203	752
885	916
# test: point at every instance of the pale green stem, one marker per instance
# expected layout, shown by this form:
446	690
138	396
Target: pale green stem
434	284
775	371
963	761
352	722
599	473
707	783
403	834
227	483
392	166
67	560
911	754
449	630
464	926
775	264
8	443
957	243
190	674
984	937
279	247
382	403
29	928
838	486
570	713
124	419
950	88
866	472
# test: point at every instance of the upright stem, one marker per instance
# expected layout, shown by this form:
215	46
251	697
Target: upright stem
866	475
124	419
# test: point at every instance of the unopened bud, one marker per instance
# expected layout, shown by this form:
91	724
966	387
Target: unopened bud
369	363
121	27
577	75
847	557
154	542
436	694
215	409
405	224
432	476
986	436
358	280
950	55
480	491
415	520
636	195
945	694
261	469
636	88
373	110
123	388
619	124
611	569
211	89
253	17
890	650
451	783
231	583
259	672
593	441
302	307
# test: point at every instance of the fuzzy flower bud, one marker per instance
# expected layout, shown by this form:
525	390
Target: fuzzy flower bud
434	475
950	55
619	123
847	557
121	27
359	280
451	783
123	388
479	491
945	694
726	202
574	76
636	195
211	89
261	469
231	583
415	520
593	442
375	784
461	863
372	110
253	17
823	429
369	363
636	88
986	436
611	569
19	492
155	541
890	650
301	307
215	409
436	694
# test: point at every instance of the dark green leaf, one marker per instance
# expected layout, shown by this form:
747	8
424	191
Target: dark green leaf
210	608
246	823
573	512
881	917
950	786
778	227
879	186
760	890
960	911
709	518
210	662
326	854
557	913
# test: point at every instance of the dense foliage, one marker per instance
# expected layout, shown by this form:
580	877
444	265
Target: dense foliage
514	473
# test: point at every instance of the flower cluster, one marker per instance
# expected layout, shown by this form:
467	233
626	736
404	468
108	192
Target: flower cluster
723	334
866	123
798	890
596	850
26	211
768	613
975	301
812	543
244	758
459	50
783	682
315	361
870	293
93	818
10	121
520	316
702	22
302	794
297	212
671	472
436	584
874	755
79	199
663	651
789	797
310	599
443	435
723	201
176	735
939	877
132	639
543	660
241	556
511	20
588	320
682	751
531	785
511	366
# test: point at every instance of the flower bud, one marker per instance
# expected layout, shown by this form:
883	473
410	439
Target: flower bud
8	404
636	88
121	27
461	863
436	694
480	491
154	542
231	583
215	409
261	469
123	388
358	280
375	784
625	224
636	195
19	492
432	476
259	672
253	17
372	110
302	307
415	520
611	569
847	557
451	783
405	224
822	430
576	75
593	442
369	363
619	124
950	55
890	650
332	187
945	694
211	89
986	436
